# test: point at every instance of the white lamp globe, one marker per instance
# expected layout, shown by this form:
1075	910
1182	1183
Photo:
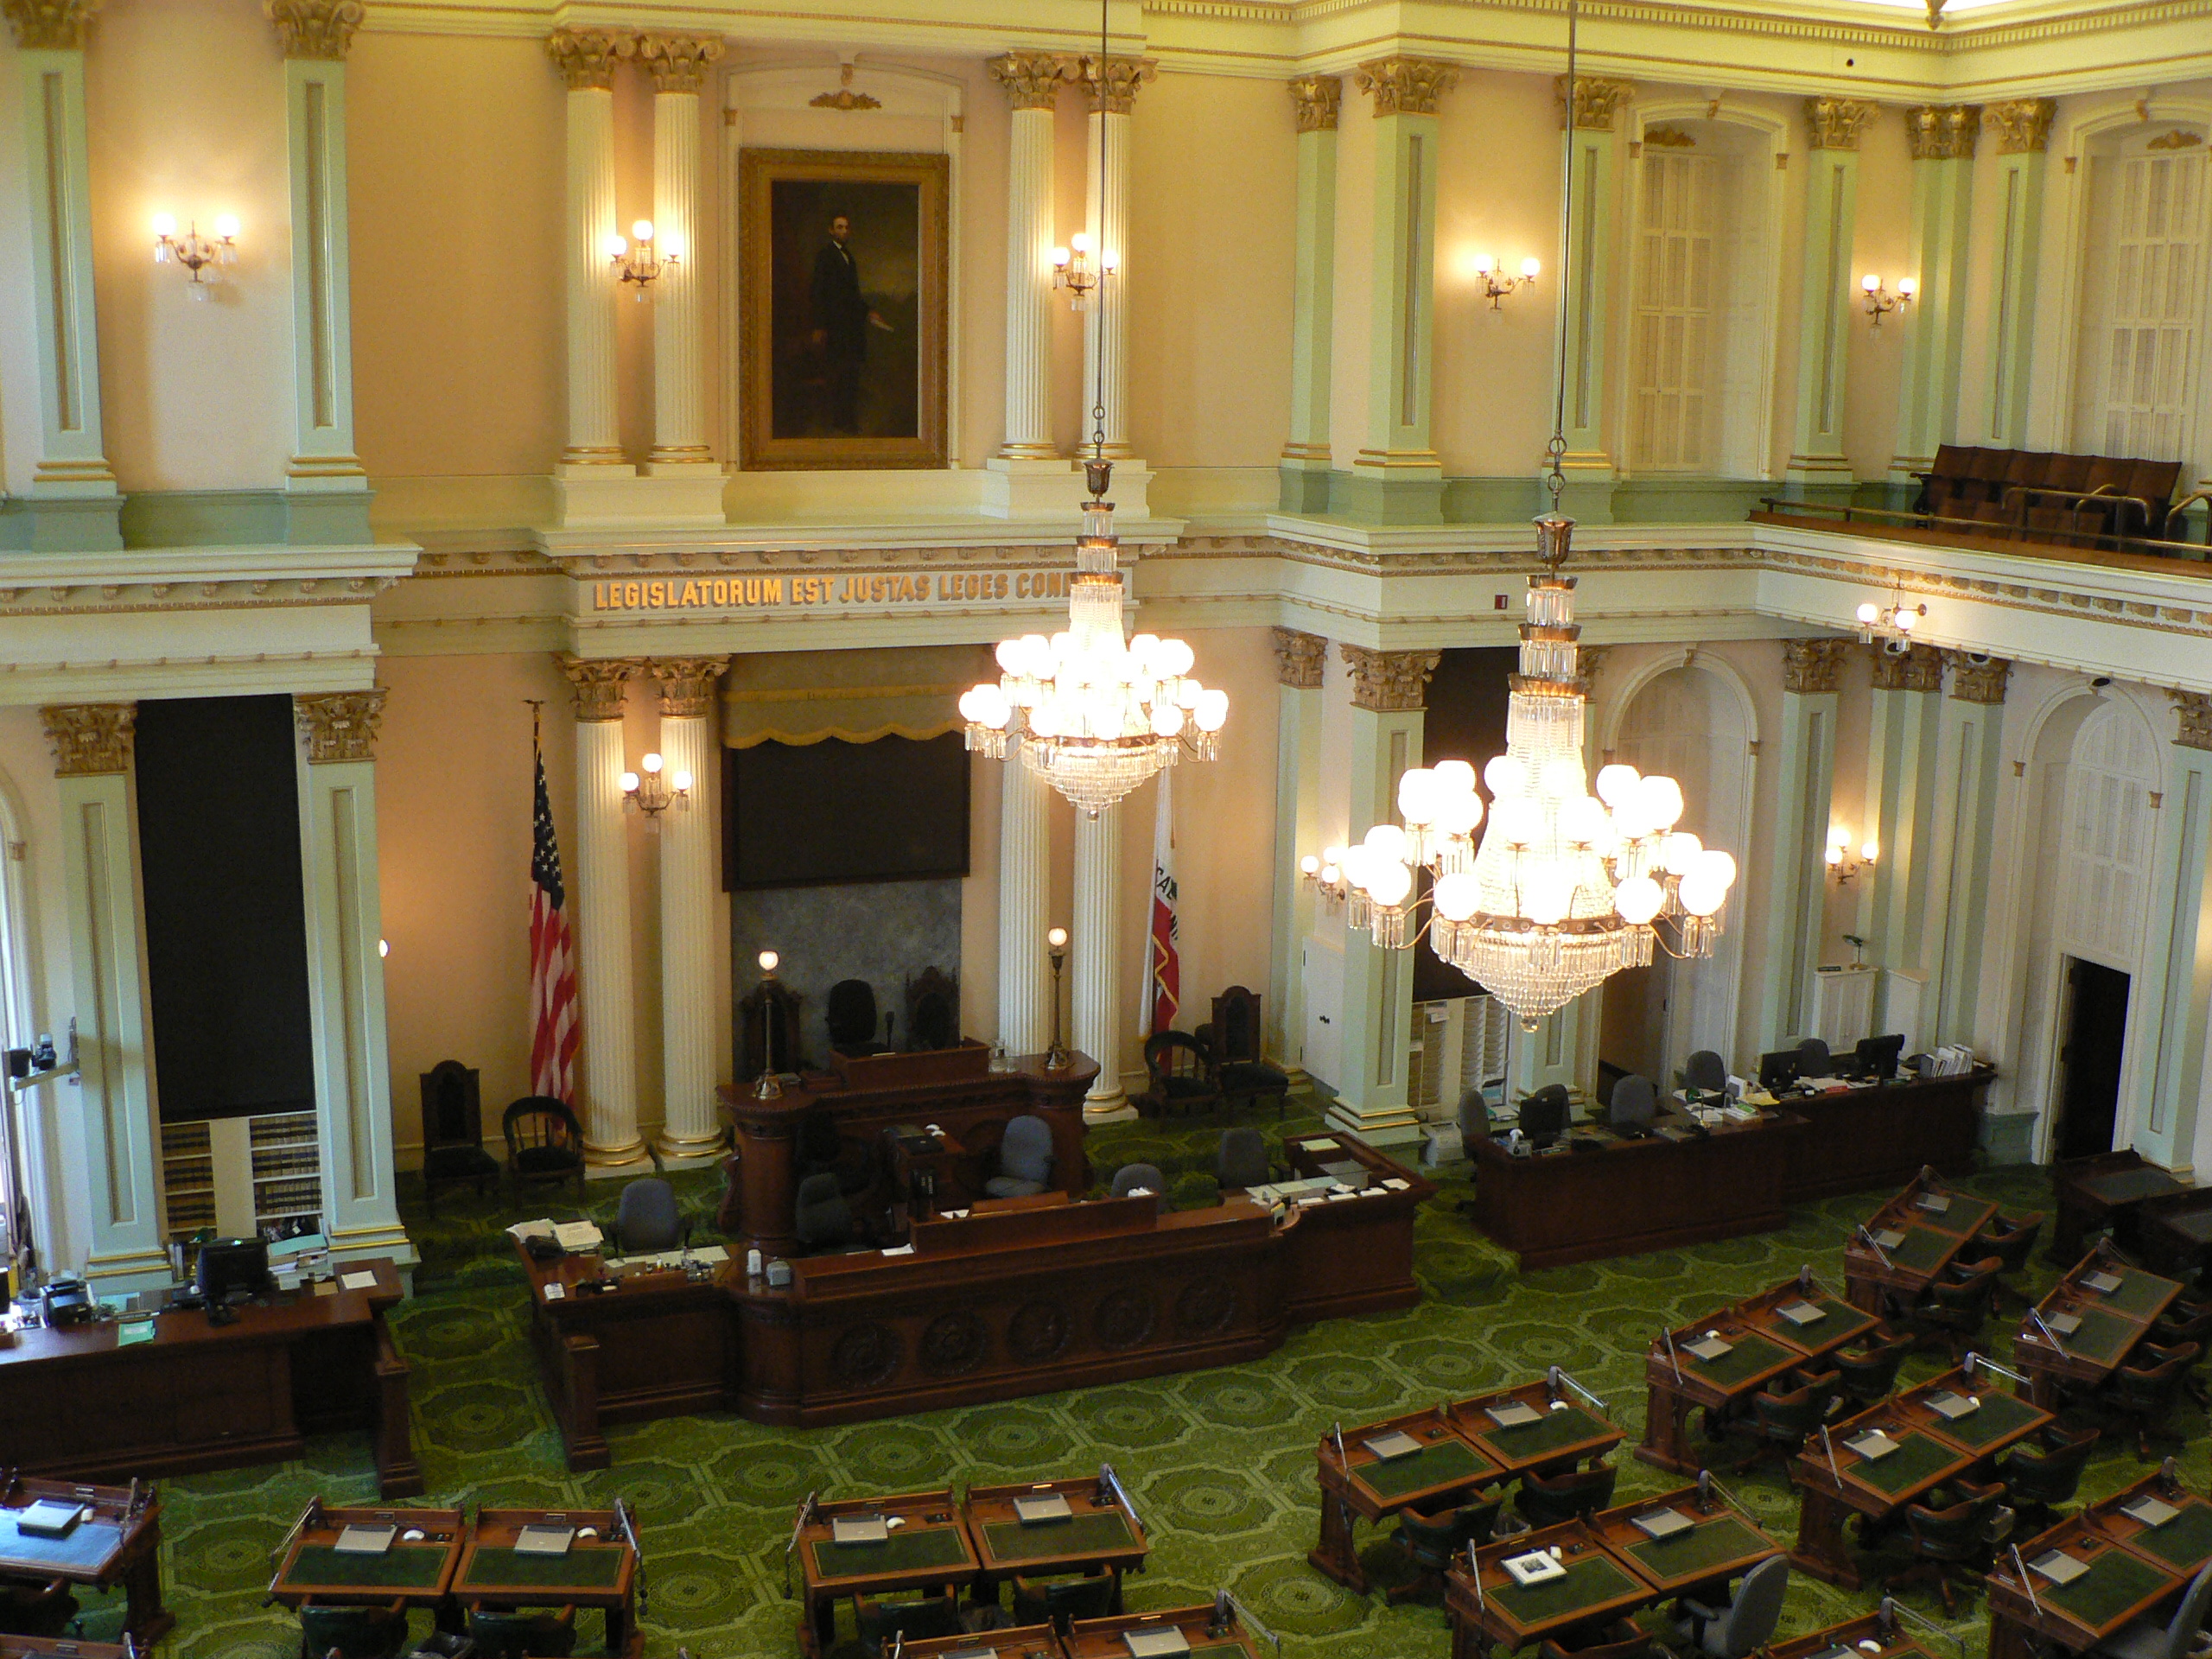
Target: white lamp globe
1212	712
1168	721
1679	852
1388	884
1354	865
970	709
1506	777
1561	779
1175	658
1452	776
1418	796
1460	810
1870	613
1617	782
1637	899
1715	866
1387	840
1661	800
1700	896
1516	820
1546	898
1458	895
1584	822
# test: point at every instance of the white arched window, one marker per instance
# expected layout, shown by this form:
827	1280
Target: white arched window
1701	289
2137	377
2106	852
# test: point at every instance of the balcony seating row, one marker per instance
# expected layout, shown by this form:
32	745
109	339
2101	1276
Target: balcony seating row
2035	495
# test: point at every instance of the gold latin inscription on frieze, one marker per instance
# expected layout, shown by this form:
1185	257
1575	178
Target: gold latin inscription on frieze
887	589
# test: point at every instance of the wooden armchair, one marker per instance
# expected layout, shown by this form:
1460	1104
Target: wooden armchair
545	1144
1241	1070
932	1011
453	1131
1181	1075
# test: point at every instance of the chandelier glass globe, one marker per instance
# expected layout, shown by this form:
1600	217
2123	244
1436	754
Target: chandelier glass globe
1092	713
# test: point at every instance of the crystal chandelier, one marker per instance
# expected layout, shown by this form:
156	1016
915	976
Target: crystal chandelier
1566	888
1093	715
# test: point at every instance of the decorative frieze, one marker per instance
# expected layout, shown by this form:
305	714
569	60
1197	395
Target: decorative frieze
1390	682
1117	87
1942	132
90	739
1589	663
340	725
587	57
1836	122
1916	668
677	63
1298	659
2194	710
318	29
1597	105
50	25
1318	99
1031	80
1975	678
1406	86
687	684
2022	125
1810	667
598	684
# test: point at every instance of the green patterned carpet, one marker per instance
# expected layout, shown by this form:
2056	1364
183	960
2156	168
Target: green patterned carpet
1220	1463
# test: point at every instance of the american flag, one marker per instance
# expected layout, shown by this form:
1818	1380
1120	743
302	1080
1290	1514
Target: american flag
553	1022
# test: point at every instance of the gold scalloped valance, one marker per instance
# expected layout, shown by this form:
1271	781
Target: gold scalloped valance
803	696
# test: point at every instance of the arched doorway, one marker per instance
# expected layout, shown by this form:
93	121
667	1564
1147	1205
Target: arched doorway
1693	725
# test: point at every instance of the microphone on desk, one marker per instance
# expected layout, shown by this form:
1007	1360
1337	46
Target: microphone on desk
1805	1280
1705	1490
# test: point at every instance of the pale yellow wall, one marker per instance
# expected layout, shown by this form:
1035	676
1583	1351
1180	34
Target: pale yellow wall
1497	193
1213	235
458	186
39	935
1355	283
1881	243
19	406
186	105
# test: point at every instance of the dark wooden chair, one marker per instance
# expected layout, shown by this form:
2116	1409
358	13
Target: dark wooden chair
1180	1074
850	1015
932	1011
1236	1039
545	1144
1951	1543
1434	1537
768	1022
452	1132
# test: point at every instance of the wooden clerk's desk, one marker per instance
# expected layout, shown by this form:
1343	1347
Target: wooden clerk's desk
952	1088
212	1396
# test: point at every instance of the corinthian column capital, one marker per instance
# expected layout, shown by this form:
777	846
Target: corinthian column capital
1116	90
340	725
1299	658
1317	98
2194	711
587	57
1597	103
320	29
687	684
1406	86
599	683
2022	125
90	739
1031	80
1810	667
1390	682
1836	122
677	63
49	25
1942	132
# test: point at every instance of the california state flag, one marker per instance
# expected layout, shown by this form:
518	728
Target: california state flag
1162	989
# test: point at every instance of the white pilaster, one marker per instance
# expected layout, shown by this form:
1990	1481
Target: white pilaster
603	915
1298	661
586	57
328	487
2023	128
1025	910
1899	904
690	1127
1028	477
1942	139
1966	811
111	1140
352	1076
1829	290
1097	948
679	65
1113	89
1805	764
1318	101
72	485
2177	965
1388	698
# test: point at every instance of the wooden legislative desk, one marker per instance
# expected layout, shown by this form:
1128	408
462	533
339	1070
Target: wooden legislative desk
1884	1133
952	1088
119	1542
1625	1196
1890	1259
208	1396
1348	1255
2107	1190
2135	1571
660	1344
2111	1323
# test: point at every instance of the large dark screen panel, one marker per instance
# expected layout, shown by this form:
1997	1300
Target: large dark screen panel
227	950
795	814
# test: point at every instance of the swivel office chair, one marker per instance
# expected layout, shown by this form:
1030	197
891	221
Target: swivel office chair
822	1220
1544	1114
1129	1177
1951	1543
36	1609
647	1219
352	1632
1242	1160
1060	1602
1813	1059
505	1634
850	1016
883	1624
1635	1104
1746	1622
1623	1640
1024	1159
1572	1496
1433	1538
1705	1071
2037	1482
2145	1639
2143	1393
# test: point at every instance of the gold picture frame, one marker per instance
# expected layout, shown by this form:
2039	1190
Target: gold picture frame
843	339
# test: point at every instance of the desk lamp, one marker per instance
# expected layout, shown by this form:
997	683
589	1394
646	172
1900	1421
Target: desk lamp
768	1088
1057	942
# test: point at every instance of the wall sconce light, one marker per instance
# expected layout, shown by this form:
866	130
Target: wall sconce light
1325	873
643	263
1880	301
1494	289
652	795
1841	865
1072	270
194	251
1892	624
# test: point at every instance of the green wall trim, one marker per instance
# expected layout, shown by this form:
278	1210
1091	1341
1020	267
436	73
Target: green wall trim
1386	501
1687	500
327	517
1669	500
1304	490
40	524
241	518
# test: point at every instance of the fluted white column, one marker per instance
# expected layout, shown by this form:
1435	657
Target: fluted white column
602	915
1025	909
677	64
689	1127
586	58
1097	949
1105	340
1032	80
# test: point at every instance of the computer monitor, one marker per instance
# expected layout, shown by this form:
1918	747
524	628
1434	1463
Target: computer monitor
1877	1057
1777	1069
1544	1114
232	1270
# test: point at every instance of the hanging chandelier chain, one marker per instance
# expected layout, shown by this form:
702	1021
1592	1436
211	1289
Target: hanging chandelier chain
1556	479
1098	332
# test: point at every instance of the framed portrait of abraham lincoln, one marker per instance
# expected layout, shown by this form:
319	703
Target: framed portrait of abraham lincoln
843	308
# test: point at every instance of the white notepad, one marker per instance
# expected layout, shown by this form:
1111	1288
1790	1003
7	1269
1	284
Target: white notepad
2149	1512
544	1541
1873	1446
858	1529
1801	1312
1046	1506
1534	1567
1709	1349
2103	1283
1889	1238
1952	1406
357	1282
49	1518
1395	1444
2065	1324
365	1540
1514	1415
2058	1567
1663	1523
577	1235
1156	1644
1934	1203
